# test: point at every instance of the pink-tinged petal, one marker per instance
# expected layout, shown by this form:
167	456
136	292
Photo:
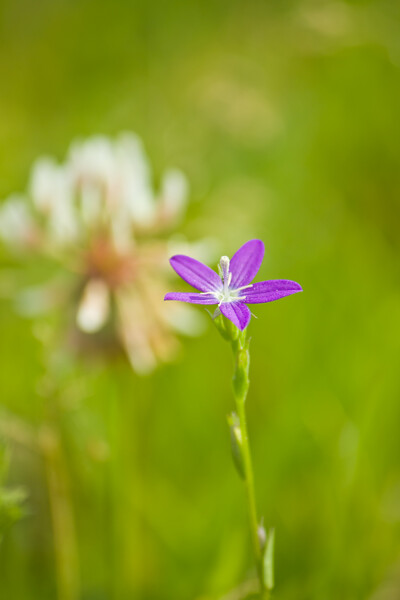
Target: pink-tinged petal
195	273
192	298
268	291
237	312
246	262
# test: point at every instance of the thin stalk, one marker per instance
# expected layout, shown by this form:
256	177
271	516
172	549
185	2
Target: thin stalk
241	387
65	543
249	483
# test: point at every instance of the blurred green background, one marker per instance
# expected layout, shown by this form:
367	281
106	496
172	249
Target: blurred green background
285	118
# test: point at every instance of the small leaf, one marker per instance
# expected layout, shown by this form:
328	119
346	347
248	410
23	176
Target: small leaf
236	444
268	560
262	536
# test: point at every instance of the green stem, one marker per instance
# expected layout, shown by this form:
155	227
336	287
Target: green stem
65	543
249	483
241	387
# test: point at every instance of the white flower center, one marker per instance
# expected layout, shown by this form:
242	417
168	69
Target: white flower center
227	294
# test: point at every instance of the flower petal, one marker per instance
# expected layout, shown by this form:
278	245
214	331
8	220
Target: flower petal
246	262
196	273
94	307
237	312
192	298
268	291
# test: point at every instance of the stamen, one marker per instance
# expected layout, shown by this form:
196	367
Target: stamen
226	294
224	264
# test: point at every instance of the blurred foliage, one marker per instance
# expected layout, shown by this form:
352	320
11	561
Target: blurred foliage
284	116
11	509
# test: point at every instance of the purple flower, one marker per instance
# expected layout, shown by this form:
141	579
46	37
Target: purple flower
231	289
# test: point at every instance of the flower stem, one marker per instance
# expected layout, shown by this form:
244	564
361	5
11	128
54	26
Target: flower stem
240	347
65	543
249	483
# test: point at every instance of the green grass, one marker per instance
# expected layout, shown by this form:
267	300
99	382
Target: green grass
285	118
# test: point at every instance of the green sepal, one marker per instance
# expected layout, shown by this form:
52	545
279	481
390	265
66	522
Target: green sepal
232	331
219	323
226	328
268	560
236	444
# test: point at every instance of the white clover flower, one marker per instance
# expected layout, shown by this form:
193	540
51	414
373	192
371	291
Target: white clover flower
16	223
52	196
174	193
98	215
94	307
